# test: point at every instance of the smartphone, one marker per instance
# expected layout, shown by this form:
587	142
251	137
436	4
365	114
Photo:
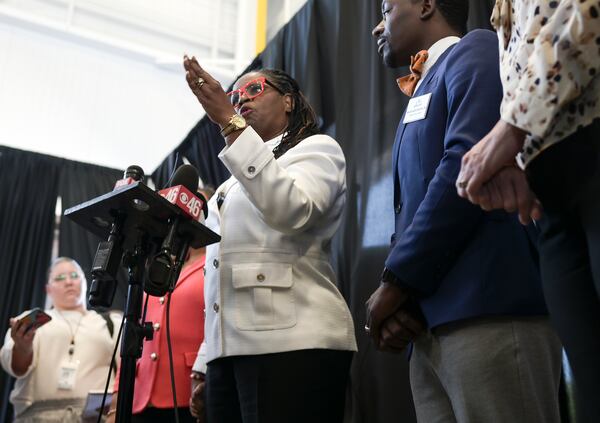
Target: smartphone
35	318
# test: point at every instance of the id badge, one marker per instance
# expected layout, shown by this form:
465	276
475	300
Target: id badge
417	108
68	375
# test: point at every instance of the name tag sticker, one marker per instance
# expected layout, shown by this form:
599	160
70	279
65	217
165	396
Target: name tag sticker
67	375
417	108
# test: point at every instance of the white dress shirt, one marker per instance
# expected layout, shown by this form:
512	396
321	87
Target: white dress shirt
434	52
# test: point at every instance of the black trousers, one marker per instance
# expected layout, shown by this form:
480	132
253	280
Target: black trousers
566	179
166	415
291	387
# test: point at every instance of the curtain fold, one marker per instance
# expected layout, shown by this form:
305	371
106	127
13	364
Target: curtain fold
80	182
27	217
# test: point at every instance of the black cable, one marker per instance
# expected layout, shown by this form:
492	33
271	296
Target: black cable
170	178
145	310
171	359
110	369
112	361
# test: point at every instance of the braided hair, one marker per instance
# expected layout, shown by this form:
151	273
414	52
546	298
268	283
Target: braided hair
302	120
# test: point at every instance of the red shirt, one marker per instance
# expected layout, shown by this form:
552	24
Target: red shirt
153	379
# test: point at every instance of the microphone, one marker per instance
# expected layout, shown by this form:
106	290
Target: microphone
109	253
163	270
182	192
132	174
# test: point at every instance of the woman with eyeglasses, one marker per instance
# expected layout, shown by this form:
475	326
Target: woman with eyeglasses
278	334
57	363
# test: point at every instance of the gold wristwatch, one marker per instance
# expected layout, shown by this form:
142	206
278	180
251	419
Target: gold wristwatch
236	123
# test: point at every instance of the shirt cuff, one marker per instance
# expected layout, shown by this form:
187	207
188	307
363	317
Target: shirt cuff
247	156
200	363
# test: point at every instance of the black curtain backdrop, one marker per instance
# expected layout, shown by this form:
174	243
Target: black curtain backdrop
31	184
329	49
27	205
78	183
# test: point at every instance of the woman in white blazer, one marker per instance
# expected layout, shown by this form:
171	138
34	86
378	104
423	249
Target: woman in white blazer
278	335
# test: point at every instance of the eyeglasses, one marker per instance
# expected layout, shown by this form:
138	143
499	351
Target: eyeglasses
251	90
61	277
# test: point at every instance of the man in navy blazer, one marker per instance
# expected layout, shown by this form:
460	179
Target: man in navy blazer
488	354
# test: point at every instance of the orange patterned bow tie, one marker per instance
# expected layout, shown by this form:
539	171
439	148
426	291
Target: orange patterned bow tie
408	83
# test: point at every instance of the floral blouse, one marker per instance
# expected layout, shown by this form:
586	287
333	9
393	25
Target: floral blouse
549	65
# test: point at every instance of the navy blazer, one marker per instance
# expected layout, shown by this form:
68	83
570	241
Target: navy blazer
461	262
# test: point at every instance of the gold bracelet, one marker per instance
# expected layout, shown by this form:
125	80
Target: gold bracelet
111	412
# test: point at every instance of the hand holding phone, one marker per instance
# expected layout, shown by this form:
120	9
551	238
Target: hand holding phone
23	330
35	318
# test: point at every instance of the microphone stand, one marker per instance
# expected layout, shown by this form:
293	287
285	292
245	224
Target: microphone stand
138	220
134	331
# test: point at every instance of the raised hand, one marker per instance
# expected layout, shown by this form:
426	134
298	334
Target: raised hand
208	91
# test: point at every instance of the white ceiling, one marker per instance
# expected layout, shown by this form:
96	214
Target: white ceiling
155	30
108	86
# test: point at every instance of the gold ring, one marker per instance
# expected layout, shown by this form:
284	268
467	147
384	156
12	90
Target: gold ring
462	184
200	82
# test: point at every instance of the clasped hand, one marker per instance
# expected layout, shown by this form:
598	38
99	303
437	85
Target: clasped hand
488	175
389	323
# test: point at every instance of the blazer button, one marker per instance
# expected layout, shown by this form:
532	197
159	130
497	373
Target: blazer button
398	208
260	277
156	326
161	300
216	263
251	169
153	356
216	307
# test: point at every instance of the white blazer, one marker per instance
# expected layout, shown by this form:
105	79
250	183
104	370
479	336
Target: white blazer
269	286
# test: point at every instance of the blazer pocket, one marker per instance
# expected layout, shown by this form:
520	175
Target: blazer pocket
264	296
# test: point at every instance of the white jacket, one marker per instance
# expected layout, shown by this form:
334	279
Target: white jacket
269	286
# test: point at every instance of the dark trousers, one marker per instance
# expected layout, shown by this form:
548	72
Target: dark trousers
166	415
291	387
566	179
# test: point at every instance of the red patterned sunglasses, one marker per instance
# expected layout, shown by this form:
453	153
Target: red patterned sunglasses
251	89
